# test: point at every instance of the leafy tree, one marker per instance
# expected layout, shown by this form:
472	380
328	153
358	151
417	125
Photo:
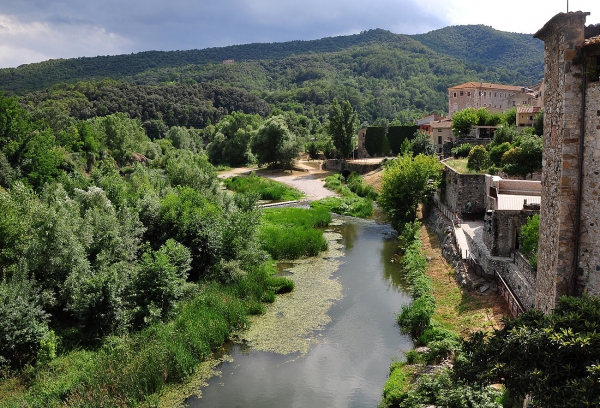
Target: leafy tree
531	234
158	282
231	141
553	358
510	117
503	134
408	181
526	158
497	151
422	144
463	120
478	159
274	143
483	117
342	125
23	322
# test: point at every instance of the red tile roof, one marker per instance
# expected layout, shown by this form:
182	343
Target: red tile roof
528	109
485	85
444	124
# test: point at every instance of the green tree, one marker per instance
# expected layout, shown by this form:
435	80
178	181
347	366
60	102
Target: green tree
422	144
231	141
158	282
407	182
463	120
510	117
525	158
342	126
274	143
478	158
23	322
553	358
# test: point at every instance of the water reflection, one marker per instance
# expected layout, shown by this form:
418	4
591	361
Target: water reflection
349	366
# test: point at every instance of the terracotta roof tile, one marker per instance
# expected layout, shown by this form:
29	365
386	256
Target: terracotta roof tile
486	85
442	124
528	109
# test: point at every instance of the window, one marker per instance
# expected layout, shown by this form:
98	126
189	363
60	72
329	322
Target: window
485	94
530	117
494	94
468	93
455	94
461	93
439	139
513	103
440	130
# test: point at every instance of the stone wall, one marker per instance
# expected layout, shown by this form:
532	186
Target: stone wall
502	229
519	282
588	278
341	165
462	188
563	74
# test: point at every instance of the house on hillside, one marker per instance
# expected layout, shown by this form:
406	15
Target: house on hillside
480	95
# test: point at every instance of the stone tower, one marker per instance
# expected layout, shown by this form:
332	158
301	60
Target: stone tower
569	245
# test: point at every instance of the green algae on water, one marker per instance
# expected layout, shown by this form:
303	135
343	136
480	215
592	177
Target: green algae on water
290	324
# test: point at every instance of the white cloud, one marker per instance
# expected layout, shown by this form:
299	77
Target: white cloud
25	42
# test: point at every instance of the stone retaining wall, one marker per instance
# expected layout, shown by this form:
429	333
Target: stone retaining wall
341	165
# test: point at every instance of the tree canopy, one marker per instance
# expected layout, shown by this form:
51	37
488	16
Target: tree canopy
342	126
407	182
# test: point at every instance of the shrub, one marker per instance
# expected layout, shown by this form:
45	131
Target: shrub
497	152
462	151
479	158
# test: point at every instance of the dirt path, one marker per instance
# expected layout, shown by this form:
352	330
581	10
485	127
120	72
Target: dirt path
307	177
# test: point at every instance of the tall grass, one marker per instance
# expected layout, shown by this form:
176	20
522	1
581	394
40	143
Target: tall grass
289	233
267	189
355	184
356	197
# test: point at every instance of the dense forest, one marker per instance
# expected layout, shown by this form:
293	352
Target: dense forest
385	76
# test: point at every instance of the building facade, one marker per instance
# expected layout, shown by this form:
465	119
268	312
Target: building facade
481	95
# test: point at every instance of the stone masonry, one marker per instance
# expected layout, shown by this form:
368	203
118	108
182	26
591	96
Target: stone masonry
569	254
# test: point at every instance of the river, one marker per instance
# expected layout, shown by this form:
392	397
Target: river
347	365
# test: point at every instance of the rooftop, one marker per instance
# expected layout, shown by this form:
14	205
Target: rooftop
486	85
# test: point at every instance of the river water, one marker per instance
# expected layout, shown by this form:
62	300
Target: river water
349	365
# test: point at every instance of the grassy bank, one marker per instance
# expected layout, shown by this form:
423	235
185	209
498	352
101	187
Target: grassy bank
440	315
265	188
289	233
356	196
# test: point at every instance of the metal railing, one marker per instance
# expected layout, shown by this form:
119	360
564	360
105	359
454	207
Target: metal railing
515	306
453	217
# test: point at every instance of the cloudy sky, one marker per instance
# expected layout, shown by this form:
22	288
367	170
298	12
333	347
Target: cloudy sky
38	30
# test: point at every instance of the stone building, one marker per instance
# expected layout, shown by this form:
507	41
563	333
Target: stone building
481	95
569	250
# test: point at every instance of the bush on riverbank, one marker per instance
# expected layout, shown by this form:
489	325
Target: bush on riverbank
265	188
356	197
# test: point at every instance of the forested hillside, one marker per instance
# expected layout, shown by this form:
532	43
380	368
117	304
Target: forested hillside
482	46
383	75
